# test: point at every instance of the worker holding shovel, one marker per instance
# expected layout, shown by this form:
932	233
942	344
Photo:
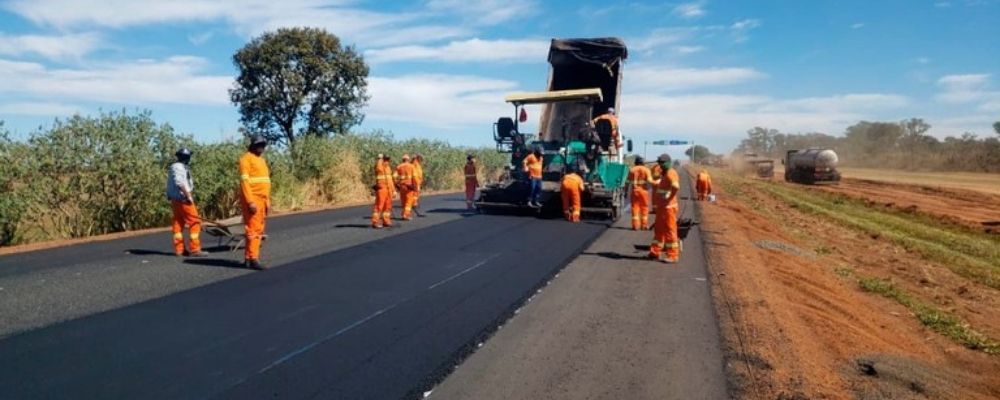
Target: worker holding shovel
666	244
180	192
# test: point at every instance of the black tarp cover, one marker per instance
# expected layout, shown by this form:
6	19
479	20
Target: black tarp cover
605	52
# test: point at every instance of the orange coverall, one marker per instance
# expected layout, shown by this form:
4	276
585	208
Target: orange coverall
704	185
615	138
471	183
572	187
640	177
405	181
382	211
185	214
255	189
665	238
418	181
656	172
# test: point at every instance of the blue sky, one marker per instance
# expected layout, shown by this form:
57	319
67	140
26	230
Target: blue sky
703	70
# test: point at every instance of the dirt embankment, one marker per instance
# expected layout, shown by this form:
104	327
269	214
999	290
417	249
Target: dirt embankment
971	208
798	325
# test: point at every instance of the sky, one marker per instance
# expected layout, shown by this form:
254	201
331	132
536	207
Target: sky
703	71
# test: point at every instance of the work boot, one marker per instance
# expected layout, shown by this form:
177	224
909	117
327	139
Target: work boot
198	254
671	260
254	264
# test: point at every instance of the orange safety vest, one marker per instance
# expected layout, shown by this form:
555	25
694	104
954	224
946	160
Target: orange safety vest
383	175
404	173
255	179
671	181
418	173
640	176
470	172
533	165
572	182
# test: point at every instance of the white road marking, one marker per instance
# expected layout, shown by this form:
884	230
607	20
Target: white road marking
463	272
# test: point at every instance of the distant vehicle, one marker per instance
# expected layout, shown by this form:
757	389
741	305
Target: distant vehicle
763	168
811	166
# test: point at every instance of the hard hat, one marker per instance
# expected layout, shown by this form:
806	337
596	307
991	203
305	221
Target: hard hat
470	156
639	160
418	156
183	153
663	159
406	157
257	140
611	110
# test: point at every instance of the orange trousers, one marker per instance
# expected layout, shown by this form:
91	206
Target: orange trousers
702	188
253	223
406	200
665	238
640	209
186	215
382	211
470	192
571	204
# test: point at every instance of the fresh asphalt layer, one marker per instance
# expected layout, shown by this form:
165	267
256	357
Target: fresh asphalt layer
347	312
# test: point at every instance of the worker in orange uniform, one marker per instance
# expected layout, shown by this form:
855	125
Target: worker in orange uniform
383	188
665	238
533	166
471	180
418	182
571	190
703	185
255	198
405	183
639	178
615	137
180	192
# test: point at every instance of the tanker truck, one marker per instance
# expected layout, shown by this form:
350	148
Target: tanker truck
811	166
584	81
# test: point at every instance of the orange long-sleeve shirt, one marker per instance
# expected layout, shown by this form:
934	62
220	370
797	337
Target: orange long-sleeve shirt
572	182
640	176
255	180
404	173
669	182
533	165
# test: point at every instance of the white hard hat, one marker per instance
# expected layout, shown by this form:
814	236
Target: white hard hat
611	110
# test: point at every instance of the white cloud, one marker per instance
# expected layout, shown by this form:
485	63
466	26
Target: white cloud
247	17
728	116
740	30
176	80
486	12
44	109
966	88
439	101
471	50
54	47
660	37
201	38
858	25
690	10
657	79
688	49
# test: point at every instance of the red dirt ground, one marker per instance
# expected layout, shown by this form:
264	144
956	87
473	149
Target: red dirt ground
797	326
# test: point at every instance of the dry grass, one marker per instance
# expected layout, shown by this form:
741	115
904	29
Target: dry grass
983	182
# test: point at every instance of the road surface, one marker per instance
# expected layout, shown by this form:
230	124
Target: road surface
346	312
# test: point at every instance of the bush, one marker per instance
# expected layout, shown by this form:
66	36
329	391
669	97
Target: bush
95	175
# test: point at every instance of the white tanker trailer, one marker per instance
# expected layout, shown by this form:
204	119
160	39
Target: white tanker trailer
811	166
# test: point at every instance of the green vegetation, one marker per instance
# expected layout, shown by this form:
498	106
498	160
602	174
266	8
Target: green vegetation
941	322
971	254
93	175
903	145
299	81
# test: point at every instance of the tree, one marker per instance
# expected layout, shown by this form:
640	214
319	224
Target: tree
700	153
299	79
996	127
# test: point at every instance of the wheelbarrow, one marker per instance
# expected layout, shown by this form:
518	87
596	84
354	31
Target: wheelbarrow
229	231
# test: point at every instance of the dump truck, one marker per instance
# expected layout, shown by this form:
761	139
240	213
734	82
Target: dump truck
811	166
584	81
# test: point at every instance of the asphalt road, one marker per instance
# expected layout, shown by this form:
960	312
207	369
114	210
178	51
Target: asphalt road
346	313
611	325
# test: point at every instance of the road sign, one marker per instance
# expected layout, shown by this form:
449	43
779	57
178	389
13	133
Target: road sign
678	142
659	142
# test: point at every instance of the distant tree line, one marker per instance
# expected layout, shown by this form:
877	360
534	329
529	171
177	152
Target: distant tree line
901	145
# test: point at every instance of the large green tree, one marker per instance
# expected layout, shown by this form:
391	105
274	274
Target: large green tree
698	152
299	81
